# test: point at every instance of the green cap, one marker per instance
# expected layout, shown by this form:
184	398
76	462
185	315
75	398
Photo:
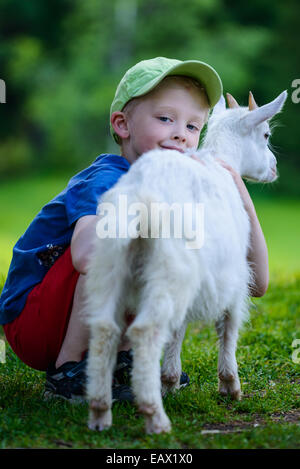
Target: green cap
147	74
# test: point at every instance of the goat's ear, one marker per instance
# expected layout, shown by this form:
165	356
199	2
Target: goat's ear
220	106
255	117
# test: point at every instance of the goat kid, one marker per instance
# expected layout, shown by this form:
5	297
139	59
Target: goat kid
167	285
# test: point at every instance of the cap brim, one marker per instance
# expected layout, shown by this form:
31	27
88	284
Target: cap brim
200	71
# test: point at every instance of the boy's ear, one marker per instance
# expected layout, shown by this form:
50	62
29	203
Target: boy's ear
119	124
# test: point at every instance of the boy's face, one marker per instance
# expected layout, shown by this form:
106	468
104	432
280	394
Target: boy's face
168	118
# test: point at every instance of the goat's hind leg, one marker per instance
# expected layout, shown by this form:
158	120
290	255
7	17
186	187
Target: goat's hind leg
101	361
148	334
171	367
229	383
104	285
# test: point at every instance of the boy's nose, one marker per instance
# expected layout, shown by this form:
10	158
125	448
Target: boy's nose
179	136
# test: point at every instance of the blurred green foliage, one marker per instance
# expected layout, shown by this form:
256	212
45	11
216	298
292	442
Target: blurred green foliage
62	60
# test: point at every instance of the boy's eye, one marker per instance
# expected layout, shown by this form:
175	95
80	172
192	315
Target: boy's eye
192	127
164	118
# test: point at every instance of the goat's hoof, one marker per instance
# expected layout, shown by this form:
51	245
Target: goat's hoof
157	423
230	386
235	395
99	419
98	405
170	383
170	378
147	409
169	387
99	424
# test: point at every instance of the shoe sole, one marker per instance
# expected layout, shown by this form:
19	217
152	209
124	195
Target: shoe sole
75	399
184	385
48	395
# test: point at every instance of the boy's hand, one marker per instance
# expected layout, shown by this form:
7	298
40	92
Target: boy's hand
82	241
258	252
248	204
247	201
195	157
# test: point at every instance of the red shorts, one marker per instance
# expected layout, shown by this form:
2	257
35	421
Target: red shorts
36	335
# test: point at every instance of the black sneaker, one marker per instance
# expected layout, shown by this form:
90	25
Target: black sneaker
124	366
121	390
66	382
184	380
122	393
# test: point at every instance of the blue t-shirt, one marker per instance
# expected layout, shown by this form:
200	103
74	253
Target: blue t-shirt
50	233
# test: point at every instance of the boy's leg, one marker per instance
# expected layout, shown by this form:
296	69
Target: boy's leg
76	339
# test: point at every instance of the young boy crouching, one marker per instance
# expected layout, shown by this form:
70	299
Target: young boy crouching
159	103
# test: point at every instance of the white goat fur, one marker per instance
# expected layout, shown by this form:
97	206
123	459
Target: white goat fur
167	285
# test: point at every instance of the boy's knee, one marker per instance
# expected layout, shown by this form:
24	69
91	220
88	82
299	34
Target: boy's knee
79	264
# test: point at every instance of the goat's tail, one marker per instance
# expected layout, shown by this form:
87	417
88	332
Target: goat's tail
124	221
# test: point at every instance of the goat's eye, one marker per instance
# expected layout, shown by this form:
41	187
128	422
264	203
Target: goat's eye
267	135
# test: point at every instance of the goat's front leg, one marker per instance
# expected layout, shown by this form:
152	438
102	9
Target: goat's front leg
101	361
171	367
229	383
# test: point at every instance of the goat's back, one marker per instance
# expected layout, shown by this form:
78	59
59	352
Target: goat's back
219	268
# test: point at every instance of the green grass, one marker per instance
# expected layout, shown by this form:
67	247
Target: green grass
270	382
280	221
266	417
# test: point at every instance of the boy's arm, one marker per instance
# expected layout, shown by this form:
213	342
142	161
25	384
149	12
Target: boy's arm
258	257
82	241
258	252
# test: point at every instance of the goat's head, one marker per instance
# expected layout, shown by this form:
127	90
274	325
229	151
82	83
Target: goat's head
244	132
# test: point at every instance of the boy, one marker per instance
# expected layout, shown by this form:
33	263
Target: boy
159	103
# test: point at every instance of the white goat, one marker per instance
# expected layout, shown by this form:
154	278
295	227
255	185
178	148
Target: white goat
164	283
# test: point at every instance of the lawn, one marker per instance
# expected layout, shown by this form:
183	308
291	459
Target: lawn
268	415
